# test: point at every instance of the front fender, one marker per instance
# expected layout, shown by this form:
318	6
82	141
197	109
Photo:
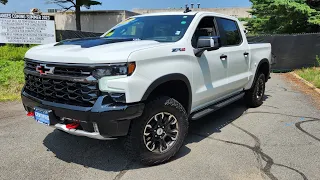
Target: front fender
167	78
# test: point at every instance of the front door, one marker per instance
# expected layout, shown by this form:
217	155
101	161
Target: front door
210	75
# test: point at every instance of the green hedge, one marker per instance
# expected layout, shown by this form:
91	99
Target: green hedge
11	71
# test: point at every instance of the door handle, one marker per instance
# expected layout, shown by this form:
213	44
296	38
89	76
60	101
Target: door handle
223	57
246	54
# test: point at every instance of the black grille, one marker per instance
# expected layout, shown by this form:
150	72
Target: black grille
63	70
62	91
72	71
31	65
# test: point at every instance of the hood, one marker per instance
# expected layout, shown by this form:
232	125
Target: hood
92	42
90	50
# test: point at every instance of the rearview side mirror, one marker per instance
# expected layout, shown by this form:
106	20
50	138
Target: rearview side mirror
208	43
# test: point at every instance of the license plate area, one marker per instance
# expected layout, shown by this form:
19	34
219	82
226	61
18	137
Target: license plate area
42	116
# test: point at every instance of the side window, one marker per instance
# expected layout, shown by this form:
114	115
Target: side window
229	32
206	27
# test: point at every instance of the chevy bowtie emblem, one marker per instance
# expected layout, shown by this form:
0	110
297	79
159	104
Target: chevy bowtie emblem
44	69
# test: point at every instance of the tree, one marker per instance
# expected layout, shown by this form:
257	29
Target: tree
313	3
4	2
284	16
76	4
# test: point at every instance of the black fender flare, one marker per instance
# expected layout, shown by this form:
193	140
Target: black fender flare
257	70
167	78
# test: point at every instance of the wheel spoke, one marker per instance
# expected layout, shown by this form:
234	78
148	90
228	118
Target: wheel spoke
168	121
174	121
152	147
163	145
161	132
159	120
171	121
149	128
173	135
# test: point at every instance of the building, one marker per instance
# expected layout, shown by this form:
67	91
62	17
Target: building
103	20
91	21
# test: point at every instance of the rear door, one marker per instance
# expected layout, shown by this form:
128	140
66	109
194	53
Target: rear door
237	49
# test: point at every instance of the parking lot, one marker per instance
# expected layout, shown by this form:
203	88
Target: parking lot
279	140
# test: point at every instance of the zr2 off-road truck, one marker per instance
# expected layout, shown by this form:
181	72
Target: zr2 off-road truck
145	79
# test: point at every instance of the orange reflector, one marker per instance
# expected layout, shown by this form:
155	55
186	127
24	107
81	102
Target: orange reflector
131	68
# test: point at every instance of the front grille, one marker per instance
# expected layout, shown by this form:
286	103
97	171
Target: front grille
63	70
72	71
31	66
62	91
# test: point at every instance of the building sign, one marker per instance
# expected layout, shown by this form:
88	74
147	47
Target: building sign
27	29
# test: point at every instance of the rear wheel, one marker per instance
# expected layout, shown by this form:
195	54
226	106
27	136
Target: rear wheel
159	133
254	97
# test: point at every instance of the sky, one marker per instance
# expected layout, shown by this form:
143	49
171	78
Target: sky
26	5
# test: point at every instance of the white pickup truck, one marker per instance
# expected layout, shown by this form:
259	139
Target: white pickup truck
145	79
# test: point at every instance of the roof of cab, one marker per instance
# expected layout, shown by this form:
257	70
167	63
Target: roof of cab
168	13
185	14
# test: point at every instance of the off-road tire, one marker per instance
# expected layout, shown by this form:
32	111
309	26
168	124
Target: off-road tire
134	142
255	96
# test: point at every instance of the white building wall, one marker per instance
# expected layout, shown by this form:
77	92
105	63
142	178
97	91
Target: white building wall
91	21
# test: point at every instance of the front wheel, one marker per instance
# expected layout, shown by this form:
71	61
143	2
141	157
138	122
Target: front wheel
254	96
159	133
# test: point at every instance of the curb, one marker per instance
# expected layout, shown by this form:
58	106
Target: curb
306	82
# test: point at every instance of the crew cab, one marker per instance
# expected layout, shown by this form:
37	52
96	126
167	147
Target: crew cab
145	79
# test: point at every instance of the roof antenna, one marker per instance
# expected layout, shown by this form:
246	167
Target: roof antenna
187	9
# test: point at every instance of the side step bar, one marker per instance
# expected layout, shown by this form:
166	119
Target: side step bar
215	107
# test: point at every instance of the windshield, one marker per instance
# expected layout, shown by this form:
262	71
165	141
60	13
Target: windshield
169	28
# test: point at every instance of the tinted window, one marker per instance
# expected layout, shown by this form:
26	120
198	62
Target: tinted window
206	27
229	32
169	28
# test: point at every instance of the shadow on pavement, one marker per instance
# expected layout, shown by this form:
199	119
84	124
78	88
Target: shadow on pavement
90	153
214	122
111	156
102	155
204	128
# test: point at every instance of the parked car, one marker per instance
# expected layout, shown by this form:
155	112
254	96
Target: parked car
145	79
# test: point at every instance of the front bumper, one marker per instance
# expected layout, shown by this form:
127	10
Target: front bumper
112	119
77	132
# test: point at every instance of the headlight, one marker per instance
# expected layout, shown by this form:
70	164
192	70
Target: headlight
115	70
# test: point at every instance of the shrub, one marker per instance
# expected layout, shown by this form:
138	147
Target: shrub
11	71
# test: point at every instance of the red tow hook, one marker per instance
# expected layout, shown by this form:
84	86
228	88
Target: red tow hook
73	125
30	114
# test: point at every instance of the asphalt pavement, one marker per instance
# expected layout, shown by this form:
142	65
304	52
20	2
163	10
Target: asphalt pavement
279	140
